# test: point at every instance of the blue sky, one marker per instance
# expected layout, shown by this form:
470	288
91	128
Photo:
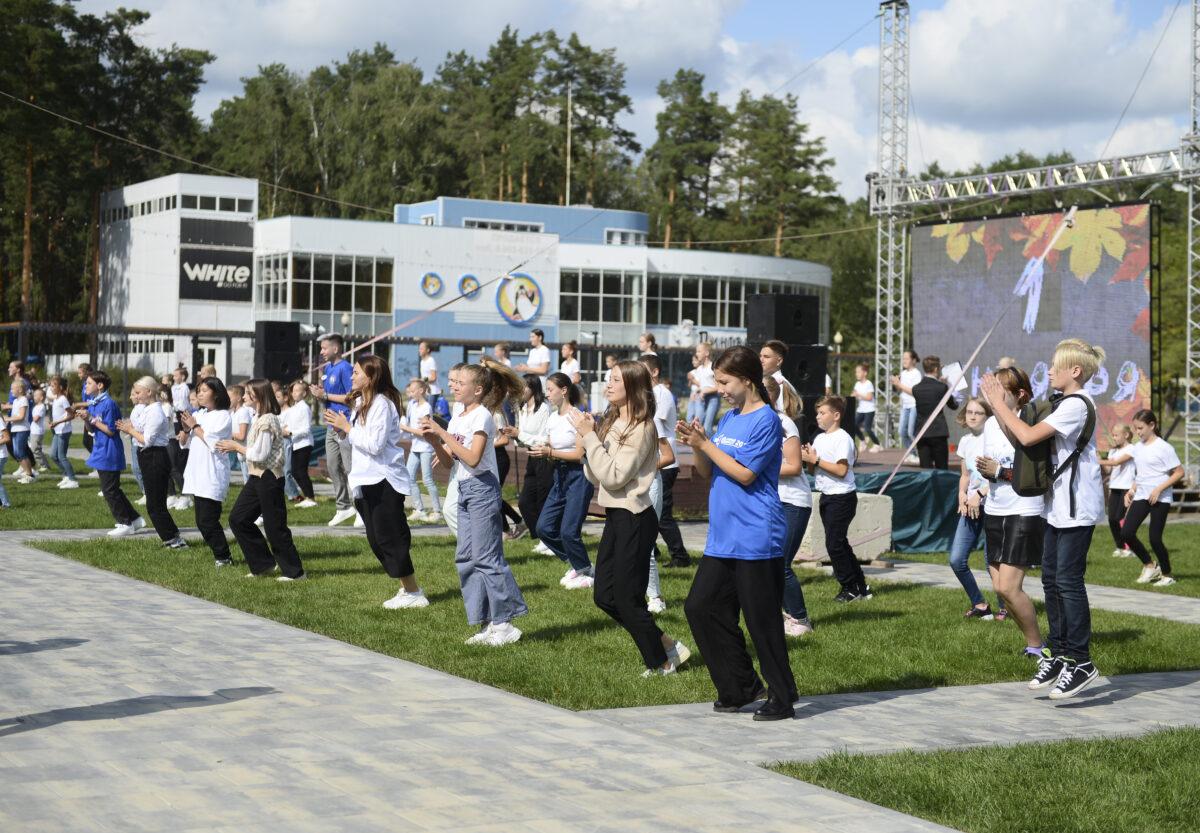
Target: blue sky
989	77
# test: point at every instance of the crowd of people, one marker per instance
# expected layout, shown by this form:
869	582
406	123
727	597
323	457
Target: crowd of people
623	454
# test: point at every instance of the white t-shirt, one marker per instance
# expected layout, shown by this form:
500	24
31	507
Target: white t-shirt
23	425
464	427
560	433
704	376
181	397
833	448
37	424
428	369
539	355
207	472
910	378
1122	476
570	367
377	455
59	408
666	414
244	415
794	490
413	413
1068	420
1002	500
1155	461
865	388
970	448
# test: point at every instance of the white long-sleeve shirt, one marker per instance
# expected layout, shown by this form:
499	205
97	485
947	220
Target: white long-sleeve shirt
377	454
531	425
298	420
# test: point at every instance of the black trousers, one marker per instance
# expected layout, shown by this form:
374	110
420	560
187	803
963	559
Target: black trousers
723	589
503	464
1139	510
88	441
179	458
539	475
208	521
622	571
837	511
933	452
667	527
382	511
122	510
300	458
156	477
1116	513
263	495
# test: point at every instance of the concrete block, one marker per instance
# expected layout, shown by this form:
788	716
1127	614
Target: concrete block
870	531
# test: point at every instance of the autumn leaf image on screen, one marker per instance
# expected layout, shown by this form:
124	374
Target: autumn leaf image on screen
1095	285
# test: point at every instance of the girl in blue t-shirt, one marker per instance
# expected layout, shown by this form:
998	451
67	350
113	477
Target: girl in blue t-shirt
742	570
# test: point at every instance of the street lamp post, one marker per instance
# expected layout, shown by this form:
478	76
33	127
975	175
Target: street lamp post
837	343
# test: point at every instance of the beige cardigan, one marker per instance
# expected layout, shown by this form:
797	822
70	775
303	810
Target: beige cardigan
622	472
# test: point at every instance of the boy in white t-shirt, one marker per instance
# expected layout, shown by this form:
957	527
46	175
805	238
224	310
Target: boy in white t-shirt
1074	505
37	429
831	459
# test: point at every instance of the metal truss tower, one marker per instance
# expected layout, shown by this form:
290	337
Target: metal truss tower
1191	162
891	240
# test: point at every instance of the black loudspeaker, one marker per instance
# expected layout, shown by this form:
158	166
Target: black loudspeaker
276	336
792	319
805	367
277	365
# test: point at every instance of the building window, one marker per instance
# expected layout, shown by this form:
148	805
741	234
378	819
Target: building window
188	201
427	219
501	225
325	286
624	237
245	206
208	203
593	298
228	204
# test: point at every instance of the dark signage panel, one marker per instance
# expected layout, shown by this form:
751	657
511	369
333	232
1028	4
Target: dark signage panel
215	275
200	232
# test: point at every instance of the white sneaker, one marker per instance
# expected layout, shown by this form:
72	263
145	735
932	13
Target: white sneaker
504	634
140	501
100	493
307	503
62	480
480	638
1165	581
301	577
184	502
341	516
93	473
394	601
433	517
795	627
1122	554
358	521
569	575
875	449
580	582
25	481
120	531
69	484
416	515
656	605
541	549
913	460
402	602
678	655
1149	573
139	523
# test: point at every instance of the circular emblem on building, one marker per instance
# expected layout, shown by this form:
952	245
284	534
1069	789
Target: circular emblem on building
431	284
519	299
468	286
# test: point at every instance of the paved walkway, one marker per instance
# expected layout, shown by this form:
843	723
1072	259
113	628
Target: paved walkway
128	707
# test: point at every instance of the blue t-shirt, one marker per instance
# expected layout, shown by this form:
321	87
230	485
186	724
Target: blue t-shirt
747	521
108	453
337	380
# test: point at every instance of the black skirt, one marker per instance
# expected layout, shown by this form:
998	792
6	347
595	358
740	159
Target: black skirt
1015	539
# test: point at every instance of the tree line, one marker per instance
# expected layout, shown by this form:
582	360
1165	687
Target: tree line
351	138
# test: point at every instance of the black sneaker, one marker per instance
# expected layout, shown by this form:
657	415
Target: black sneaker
1076	676
679	562
1049	669
984	613
775	710
865	593
224	562
846	596
730	708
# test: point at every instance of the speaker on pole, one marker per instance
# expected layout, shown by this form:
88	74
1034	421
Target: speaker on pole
277	350
792	319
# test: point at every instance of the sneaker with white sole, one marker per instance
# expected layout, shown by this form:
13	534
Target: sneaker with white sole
301	577
25	481
394	601
120	531
341	516
1122	554
307	503
569	575
139	523
184	503
94	473
1165	581
433	516
100	493
259	521
1150	573
502	634
655	604
416	515
140	501
1049	669
358	521
678	655
541	549
796	627
176	543
1075	677
580	582
417	599
70	484
480	638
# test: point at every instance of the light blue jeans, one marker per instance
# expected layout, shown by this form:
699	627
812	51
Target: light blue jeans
796	518
653	590
136	466
489	590
695	410
711	403
423	460
908	426
965	536
290	488
58	453
3	492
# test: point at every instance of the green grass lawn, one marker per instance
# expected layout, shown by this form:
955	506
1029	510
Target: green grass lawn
1134	785
1182	540
574	656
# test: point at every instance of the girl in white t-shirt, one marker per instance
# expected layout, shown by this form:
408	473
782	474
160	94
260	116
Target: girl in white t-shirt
420	452
297	427
61	417
1158	470
242	415
37	429
490	593
795	494
864	412
4	438
972	489
569	366
1121	472
206	475
18	429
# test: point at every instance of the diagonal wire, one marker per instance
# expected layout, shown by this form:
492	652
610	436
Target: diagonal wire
824	55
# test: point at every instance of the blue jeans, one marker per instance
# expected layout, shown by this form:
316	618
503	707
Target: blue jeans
560	526
908	426
695	410
423	460
3	492
136	466
489	590
966	534
58	453
290	488
1064	561
793	595
20	446
712	401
